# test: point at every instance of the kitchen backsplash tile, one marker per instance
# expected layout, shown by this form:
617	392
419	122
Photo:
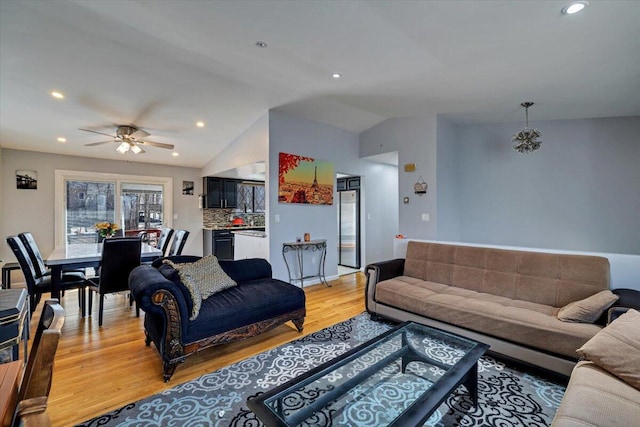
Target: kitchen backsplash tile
212	218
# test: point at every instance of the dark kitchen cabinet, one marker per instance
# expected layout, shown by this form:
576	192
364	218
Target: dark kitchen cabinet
219	243
221	192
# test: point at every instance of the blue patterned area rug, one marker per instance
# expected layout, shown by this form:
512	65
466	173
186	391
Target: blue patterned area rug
507	395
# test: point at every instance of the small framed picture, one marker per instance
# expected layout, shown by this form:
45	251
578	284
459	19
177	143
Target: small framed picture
187	188
26	180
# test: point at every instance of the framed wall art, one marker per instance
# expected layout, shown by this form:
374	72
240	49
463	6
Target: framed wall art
26	180
305	180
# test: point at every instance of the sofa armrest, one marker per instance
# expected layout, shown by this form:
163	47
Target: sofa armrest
627	299
155	294
378	272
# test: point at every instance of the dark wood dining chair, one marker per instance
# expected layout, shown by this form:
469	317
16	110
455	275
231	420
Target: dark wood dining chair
164	239
34	254
179	240
37	285
119	257
39	264
38	374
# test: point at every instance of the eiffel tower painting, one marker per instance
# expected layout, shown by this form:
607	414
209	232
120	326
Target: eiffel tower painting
305	180
314	186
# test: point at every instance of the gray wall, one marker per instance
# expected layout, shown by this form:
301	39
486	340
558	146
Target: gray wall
324	142
33	210
414	139
580	191
448	202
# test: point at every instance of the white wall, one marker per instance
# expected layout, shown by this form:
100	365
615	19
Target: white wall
580	191
324	142
250	147
415	140
33	210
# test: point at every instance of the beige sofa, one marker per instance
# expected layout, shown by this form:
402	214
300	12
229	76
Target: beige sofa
505	298
604	389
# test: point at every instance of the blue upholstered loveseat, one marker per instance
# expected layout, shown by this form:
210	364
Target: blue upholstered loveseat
258	303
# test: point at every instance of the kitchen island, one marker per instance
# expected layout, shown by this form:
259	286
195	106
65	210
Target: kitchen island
250	244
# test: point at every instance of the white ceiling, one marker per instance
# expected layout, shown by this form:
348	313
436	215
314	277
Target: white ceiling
163	65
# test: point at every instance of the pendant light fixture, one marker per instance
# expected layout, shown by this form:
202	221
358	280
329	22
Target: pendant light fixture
526	140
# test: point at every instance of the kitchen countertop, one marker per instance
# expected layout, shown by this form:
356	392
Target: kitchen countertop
234	227
252	233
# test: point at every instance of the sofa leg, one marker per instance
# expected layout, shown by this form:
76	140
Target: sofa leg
374	317
169	369
147	339
298	323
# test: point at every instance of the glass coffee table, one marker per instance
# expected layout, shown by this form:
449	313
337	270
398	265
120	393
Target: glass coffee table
396	379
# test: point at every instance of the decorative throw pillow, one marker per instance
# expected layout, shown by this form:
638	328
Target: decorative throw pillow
202	278
587	310
616	348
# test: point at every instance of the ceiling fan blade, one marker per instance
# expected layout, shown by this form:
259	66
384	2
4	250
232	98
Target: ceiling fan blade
93	144
99	133
139	134
146	111
157	144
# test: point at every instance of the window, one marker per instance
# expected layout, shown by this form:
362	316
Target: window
251	197
136	203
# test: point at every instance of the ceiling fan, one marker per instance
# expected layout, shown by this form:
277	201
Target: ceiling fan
128	138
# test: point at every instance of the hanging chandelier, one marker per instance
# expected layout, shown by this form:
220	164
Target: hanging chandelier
526	140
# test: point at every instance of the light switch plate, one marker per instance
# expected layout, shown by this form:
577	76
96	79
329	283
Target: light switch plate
425	217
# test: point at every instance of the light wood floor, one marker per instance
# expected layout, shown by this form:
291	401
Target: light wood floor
101	369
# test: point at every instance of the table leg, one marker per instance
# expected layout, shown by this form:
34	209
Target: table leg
56	277
471	383
301	266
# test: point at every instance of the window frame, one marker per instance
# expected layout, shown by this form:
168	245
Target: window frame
60	192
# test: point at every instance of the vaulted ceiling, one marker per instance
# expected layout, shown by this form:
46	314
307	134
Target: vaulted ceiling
164	65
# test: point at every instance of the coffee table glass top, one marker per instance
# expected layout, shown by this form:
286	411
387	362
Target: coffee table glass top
390	380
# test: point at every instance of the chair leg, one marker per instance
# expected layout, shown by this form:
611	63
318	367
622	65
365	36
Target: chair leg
100	310
82	301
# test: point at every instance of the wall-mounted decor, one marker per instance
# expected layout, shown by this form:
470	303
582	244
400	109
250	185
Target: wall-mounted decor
187	188
420	187
305	180
26	180
409	167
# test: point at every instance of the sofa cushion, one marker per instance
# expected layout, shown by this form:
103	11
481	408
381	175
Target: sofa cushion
202	278
616	348
598	399
587	310
524	322
258	299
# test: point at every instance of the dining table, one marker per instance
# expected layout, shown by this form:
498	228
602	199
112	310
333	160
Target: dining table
81	255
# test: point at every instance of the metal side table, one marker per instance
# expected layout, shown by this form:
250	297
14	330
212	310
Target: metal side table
299	249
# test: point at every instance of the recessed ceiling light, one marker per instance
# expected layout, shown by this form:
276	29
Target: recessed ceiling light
61	139
261	44
175	154
336	75
200	124
574	7
57	95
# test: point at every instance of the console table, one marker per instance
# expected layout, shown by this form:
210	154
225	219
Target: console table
299	249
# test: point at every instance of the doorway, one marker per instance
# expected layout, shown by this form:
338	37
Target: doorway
349	222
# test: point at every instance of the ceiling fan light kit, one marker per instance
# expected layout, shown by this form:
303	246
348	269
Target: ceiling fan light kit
526	140
129	138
